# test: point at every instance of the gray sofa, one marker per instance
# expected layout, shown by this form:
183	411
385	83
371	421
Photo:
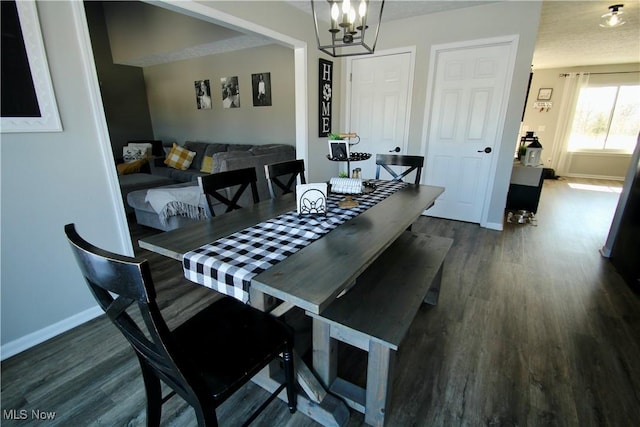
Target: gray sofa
225	157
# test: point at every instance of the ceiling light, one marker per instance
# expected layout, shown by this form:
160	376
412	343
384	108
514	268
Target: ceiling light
613	18
348	31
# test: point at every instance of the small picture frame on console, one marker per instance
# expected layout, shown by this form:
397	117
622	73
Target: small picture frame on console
338	150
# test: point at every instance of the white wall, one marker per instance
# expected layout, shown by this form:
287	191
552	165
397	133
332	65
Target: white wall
49	180
546	123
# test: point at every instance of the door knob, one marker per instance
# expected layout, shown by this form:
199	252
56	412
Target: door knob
395	150
486	150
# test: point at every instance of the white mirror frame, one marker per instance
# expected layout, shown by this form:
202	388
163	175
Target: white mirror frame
49	120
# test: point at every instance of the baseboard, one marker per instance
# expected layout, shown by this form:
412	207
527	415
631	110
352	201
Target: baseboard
24	343
587	176
493	226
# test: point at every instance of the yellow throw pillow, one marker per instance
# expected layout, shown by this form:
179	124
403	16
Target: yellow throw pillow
179	158
207	164
131	167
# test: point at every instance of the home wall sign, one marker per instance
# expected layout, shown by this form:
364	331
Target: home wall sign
28	102
325	96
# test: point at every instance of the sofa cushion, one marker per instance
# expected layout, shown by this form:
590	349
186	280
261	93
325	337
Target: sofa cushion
239	147
131	167
188	175
179	158
259	150
207	164
199	148
258	162
220	158
215	147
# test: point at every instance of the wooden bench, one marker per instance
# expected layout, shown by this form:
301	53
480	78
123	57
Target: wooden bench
375	315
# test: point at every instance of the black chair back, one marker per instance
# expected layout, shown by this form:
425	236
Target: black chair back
205	359
239	179
412	162
107	273
288	171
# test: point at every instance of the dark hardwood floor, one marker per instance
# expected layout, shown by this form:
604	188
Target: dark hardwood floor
533	327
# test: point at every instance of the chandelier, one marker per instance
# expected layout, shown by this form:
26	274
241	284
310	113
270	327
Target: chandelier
352	27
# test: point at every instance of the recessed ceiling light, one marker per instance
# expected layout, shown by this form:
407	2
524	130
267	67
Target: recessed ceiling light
613	18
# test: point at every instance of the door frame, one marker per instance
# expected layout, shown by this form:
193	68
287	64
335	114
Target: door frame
510	40
346	77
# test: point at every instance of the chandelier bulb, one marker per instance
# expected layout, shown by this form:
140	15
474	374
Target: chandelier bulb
362	9
346	6
335	12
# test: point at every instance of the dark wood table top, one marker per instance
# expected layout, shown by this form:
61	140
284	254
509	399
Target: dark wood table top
314	276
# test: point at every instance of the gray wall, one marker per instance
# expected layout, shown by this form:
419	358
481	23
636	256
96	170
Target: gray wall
123	90
140	32
283	18
172	101
50	179
545	124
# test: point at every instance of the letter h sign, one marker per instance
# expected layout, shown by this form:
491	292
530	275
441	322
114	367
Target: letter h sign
325	77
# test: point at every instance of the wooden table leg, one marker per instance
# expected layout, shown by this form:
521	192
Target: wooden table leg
315	402
325	353
379	381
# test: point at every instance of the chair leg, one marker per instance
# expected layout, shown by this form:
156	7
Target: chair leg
289	375
206	416
154	395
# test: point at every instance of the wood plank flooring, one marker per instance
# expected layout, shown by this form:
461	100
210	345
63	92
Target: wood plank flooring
533	327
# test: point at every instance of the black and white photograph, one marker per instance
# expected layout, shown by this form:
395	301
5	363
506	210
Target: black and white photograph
203	94
261	85
230	92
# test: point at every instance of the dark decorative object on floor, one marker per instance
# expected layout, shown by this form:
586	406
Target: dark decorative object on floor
548	173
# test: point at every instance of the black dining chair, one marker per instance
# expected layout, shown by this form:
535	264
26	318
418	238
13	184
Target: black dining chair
288	171
204	360
237	180
413	163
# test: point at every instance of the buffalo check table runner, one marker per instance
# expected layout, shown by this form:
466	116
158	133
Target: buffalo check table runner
228	264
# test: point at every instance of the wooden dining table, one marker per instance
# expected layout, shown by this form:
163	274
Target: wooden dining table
312	277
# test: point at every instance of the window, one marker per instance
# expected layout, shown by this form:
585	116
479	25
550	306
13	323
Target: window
606	118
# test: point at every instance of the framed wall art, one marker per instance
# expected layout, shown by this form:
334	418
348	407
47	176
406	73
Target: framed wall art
28	100
203	94
544	94
230	92
261	87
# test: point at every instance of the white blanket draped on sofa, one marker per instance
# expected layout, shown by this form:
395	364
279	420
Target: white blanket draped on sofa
181	201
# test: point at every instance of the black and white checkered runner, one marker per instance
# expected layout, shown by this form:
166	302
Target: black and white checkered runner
228	264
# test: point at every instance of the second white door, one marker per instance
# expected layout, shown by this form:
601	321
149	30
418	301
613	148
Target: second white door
470	90
380	100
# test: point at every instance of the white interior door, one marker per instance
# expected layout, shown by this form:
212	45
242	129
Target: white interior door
379	105
469	94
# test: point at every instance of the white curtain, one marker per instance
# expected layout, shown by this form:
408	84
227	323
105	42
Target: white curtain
562	158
